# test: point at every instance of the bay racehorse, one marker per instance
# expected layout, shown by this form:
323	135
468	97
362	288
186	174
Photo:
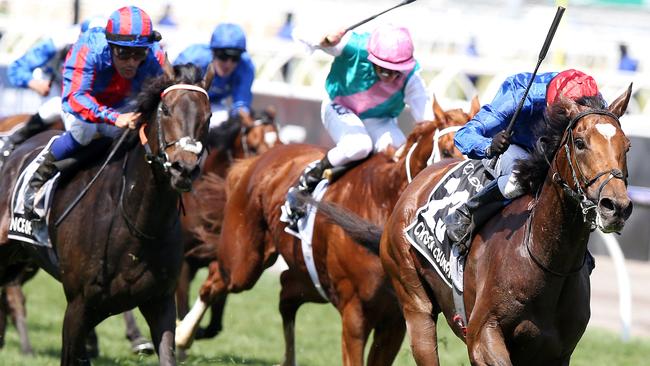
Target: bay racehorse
128	253
12	298
526	277
351	277
239	137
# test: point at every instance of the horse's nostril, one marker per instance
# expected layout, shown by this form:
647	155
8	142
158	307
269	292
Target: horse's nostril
627	210
607	204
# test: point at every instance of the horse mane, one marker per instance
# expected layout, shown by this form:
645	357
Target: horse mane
223	136
532	172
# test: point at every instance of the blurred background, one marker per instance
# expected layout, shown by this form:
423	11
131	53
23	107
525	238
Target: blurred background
465	48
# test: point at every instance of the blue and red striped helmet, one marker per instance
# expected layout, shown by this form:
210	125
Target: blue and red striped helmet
130	26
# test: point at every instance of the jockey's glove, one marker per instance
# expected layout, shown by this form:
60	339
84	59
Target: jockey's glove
500	143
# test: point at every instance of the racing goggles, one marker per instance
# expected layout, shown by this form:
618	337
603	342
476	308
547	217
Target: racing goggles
225	54
135	53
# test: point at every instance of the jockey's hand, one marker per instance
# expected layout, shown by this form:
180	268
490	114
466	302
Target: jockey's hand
333	39
42	87
127	120
500	143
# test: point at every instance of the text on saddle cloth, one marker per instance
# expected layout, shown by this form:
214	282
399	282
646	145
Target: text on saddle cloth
20	228
427	232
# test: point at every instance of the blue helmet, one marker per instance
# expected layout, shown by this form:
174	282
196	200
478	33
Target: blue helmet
228	35
130	26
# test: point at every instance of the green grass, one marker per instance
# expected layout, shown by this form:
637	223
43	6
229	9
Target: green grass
253	335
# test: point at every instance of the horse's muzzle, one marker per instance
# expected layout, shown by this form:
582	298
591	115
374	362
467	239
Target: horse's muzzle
183	174
613	212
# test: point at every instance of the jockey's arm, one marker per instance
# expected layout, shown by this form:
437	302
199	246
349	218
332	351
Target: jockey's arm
78	96
325	44
476	136
242	96
20	72
418	98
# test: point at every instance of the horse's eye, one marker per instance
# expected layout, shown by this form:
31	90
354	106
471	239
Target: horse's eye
446	152
165	110
580	144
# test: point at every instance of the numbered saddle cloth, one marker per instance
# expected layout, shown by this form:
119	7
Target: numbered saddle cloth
427	231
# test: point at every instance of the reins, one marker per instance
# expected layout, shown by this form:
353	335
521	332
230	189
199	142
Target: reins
435	152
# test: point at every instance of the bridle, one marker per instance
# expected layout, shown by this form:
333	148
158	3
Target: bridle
435	152
581	182
185	143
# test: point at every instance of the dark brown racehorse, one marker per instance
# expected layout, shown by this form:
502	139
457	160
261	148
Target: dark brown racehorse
237	138
526	283
120	247
12	298
351	276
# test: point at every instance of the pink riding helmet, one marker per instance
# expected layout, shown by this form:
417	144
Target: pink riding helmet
391	47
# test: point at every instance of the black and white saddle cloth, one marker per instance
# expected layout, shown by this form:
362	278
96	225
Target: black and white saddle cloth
20	228
427	232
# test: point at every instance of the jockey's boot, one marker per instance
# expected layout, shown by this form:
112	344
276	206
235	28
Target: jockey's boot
45	171
310	178
474	213
33	126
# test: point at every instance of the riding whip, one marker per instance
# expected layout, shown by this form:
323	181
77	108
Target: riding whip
405	2
87	187
542	55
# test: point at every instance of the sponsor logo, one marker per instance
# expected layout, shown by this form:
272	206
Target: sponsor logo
21	225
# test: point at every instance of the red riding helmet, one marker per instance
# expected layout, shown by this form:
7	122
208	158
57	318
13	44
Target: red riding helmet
572	84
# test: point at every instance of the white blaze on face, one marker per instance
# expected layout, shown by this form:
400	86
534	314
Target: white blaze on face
606	130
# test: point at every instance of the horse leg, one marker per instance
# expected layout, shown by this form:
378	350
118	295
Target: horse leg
486	346
4	313
216	318
387	339
161	317
183	289
139	344
295	292
75	331
355	332
16	305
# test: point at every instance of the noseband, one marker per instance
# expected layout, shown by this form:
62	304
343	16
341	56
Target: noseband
579	178
185	143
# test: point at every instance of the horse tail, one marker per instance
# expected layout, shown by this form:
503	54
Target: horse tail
359	229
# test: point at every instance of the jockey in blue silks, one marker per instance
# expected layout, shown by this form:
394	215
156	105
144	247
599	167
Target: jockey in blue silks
484	136
104	68
234	70
46	56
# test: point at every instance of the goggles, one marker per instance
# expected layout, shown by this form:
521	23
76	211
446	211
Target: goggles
225	54
135	53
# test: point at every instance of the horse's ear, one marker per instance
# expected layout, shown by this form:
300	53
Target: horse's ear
209	75
475	106
619	106
438	113
168	69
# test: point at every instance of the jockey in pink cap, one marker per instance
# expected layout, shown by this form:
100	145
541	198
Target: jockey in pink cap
372	78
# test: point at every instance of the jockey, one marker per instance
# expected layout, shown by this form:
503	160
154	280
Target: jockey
103	69
371	79
484	136
47	57
234	70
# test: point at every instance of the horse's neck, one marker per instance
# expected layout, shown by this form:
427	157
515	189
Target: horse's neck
559	234
149	200
414	159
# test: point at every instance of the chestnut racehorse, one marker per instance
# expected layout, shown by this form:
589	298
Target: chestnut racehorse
526	277
239	137
129	253
352	278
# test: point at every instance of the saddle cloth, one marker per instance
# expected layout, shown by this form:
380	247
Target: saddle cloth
20	228
427	231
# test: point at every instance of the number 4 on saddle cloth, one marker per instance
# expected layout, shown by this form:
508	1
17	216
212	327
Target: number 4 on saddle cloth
427	233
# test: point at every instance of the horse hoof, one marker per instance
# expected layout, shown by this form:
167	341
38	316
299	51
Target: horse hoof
142	346
181	354
204	333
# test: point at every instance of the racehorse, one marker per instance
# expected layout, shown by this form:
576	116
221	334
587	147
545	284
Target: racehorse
239	137
526	277
352	278
12	301
130	254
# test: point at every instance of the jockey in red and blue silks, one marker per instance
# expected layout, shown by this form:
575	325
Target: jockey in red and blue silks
234	70
484	136
102	71
46	56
